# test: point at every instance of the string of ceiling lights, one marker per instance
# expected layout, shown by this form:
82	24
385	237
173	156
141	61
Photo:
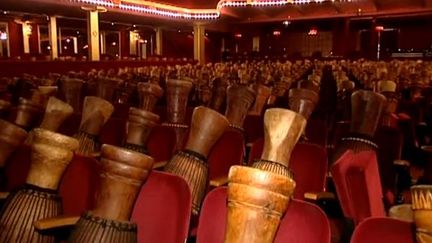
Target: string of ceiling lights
165	10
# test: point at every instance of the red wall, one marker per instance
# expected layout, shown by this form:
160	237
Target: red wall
15	39
34	40
177	45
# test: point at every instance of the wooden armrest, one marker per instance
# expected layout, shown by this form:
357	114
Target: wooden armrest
220	181
56	222
159	165
315	196
249	145
401	162
4	195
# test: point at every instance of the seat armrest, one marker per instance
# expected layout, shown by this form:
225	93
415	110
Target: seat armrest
401	162
159	165
317	196
4	195
55	222
220	181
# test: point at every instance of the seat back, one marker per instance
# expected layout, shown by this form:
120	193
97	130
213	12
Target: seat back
316	131
78	185
308	163
17	167
379	229
228	151
338	172
303	222
163	208
161	143
256	150
309	166
362	185
390	143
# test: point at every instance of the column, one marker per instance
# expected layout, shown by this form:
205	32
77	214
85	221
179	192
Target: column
124	43
34	39
75	45
133	40
199	43
52	29
93	31
103	42
26	31
158	41
256	43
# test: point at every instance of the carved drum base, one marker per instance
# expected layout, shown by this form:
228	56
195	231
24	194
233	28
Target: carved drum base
22	209
194	169
95	229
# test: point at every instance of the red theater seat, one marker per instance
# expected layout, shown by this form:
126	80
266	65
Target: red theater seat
303	222
228	151
308	163
79	184
163	208
380	230
161	143
358	185
17	167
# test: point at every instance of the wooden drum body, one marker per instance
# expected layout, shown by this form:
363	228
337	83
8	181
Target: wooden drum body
96	112
123	172
177	95
422	211
107	88
257	200
70	89
219	93
206	128
239	100
303	101
51	153
56	112
282	130
138	128
366	108
149	94
262	94
28	113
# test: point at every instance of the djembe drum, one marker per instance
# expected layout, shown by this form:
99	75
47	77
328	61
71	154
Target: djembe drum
218	94
303	101
282	130
70	90
366	108
207	127
239	101
177	94
122	174
28	113
56	112
388	89
149	94
96	112
262	94
138	128
38	199
204	95
257	200
107	87
422	211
